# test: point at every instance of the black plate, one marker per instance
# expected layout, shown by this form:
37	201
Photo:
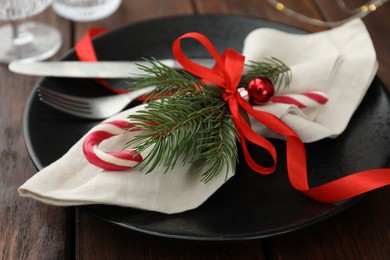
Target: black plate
249	205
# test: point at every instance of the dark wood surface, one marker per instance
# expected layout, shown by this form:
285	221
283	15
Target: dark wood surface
32	230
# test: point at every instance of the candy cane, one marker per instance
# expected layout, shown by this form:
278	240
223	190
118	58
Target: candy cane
307	99
114	161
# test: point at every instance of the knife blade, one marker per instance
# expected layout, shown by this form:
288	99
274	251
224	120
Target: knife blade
99	69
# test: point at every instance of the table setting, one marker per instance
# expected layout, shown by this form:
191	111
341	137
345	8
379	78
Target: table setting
315	148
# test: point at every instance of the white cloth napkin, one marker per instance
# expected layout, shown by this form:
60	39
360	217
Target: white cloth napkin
72	180
340	62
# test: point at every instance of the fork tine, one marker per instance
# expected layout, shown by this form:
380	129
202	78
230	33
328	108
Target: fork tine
77	108
67	110
92	108
64	106
48	96
63	97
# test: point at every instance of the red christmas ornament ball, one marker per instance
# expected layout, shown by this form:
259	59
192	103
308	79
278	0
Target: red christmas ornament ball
260	90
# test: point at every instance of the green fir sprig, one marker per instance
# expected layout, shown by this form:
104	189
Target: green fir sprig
271	68
187	122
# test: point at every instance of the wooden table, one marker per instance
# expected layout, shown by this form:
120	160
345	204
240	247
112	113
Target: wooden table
32	230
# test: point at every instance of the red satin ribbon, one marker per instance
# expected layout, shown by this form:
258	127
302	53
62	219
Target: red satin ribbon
226	74
85	51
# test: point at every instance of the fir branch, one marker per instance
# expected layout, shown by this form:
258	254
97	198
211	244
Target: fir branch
167	81
201	132
189	124
272	68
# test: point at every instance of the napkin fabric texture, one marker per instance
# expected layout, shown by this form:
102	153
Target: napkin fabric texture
340	62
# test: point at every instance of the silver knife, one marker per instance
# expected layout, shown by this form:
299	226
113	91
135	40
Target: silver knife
100	69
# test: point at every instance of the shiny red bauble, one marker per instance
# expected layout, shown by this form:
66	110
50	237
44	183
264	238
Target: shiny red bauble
260	90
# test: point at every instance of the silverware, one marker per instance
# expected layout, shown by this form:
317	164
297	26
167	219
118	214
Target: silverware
100	69
92	108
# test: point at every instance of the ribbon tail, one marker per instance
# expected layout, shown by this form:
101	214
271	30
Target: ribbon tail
341	189
84	48
296	152
246	133
350	186
85	51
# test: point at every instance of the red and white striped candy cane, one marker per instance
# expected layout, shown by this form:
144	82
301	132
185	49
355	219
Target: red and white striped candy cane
113	161
127	159
307	99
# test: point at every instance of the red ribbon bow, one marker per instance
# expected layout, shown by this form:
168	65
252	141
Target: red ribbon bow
227	73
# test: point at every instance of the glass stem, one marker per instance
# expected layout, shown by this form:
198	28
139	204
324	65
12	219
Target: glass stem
21	34
14	28
15	51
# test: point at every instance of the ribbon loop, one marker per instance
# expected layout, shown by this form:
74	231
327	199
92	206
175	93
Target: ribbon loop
227	70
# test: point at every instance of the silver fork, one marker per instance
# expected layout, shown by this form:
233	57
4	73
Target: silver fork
86	107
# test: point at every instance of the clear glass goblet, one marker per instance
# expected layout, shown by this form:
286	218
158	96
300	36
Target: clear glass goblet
28	41
85	10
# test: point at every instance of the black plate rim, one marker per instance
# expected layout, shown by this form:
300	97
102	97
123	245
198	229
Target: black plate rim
233	238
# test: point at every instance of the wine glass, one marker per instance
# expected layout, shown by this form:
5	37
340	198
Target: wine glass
28	41
85	10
